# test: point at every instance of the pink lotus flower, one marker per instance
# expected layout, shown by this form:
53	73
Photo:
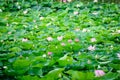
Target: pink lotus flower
49	53
91	48
60	38
49	38
64	1
76	40
99	73
93	40
24	40
63	44
69	40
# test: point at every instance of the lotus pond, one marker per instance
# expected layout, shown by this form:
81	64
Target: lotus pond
60	41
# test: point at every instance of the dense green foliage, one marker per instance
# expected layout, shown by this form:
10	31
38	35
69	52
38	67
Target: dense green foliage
13	5
30	48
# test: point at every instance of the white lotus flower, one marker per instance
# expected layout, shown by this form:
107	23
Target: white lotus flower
77	29
1	10
69	0
25	12
60	38
63	44
24	40
95	13
93	40
84	30
41	18
118	31
9	32
76	12
91	48
49	38
95	1
5	67
118	55
70	40
19	7
44	55
77	5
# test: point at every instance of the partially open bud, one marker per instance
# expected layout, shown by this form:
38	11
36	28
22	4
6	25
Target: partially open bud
99	73
49	53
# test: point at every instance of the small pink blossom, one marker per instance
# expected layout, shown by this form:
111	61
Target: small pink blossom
70	40
76	12
76	40
63	44
60	38
64	1
49	38
24	40
93	40
99	73
49	53
91	48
